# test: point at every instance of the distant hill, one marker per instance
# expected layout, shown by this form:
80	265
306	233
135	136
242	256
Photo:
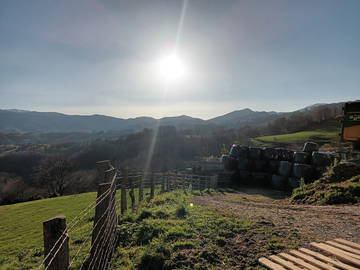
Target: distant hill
244	117
20	121
13	121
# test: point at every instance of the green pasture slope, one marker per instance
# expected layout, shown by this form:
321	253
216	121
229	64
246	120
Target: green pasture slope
318	136
21	236
21	227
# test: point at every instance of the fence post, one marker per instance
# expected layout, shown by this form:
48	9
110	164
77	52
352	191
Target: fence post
123	200
54	229
101	167
141	189
104	221
167	182
152	187
132	193
162	190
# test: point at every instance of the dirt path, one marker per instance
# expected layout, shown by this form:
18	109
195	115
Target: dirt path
313	223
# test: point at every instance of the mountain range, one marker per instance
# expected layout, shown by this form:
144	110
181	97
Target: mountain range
20	121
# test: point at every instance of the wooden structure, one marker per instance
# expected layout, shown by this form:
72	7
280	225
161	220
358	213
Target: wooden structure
331	255
350	130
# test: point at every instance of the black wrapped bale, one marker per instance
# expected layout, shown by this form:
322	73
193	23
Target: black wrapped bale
278	181
243	163
284	168
303	171
285	154
319	171
270	153
310	147
260	165
255	152
230	164
261	179
293	182
245	177
273	166
224	158
238	151
302	157
322	159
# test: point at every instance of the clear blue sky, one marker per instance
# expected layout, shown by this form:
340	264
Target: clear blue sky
97	56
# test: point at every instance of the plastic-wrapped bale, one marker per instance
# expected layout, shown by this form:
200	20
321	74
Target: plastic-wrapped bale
284	168
230	163
255	152
293	182
259	165
319	171
278	181
301	157
245	177
243	163
310	147
238	151
273	166
270	153
285	154
261	179
303	171
322	159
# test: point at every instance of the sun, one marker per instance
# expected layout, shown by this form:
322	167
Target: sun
171	68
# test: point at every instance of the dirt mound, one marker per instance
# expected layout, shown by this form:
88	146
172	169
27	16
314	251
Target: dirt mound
339	185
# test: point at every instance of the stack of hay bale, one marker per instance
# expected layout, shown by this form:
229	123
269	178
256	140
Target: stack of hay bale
277	167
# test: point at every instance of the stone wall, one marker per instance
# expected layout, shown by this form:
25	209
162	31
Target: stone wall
276	167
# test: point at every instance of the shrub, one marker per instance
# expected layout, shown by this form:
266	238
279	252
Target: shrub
181	212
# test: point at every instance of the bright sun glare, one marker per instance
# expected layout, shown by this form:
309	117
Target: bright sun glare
171	68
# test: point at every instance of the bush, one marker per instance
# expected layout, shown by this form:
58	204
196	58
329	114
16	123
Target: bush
181	212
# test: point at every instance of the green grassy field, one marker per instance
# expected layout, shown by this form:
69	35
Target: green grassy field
21	235
21	228
319	136
169	232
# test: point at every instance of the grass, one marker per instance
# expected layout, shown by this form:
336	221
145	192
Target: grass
21	228
169	232
319	136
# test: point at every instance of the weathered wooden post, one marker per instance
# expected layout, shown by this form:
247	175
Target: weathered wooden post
104	220
56	244
167	187
141	188
123	200
132	193
162	190
101	167
152	187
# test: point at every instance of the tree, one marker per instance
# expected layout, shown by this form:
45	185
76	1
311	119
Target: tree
54	174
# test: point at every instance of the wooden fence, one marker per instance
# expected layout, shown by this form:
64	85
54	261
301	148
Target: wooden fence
104	236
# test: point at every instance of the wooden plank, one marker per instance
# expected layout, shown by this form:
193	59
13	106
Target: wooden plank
282	262
341	251
327	259
274	266
348	243
337	253
299	261
312	260
344	247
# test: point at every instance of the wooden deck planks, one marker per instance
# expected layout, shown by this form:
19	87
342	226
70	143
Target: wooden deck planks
327	259
270	264
347	256
312	260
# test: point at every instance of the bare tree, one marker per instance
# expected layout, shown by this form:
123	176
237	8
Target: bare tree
54	174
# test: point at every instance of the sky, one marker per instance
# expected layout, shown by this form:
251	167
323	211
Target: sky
101	56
